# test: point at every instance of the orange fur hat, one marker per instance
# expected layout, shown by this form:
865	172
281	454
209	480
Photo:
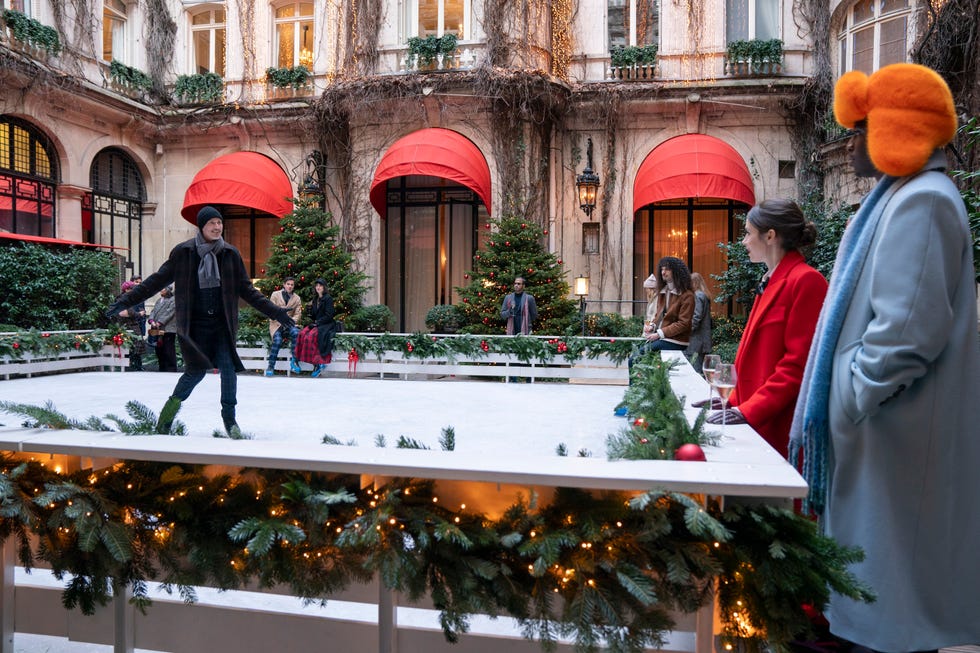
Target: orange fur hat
909	111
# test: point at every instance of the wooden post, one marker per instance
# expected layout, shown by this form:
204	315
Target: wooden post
124	627
387	620
7	624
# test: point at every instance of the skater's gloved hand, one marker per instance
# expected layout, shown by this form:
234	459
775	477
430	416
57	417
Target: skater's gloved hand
729	416
115	308
284	319
715	403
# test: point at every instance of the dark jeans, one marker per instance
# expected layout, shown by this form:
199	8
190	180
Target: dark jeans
218	350
653	345
277	339
167	352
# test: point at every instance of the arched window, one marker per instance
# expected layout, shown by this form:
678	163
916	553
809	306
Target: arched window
435	18
746	20
114	15
112	214
294	35
28	178
208	41
874	33
633	22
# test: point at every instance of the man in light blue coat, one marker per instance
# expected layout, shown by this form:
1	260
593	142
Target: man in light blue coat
889	412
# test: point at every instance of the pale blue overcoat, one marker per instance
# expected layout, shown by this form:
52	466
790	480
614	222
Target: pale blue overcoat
905	426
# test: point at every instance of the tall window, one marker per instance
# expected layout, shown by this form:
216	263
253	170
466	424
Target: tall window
112	214
688	229
874	33
752	19
208	41
251	232
23	6
435	18
114	30
431	234
28	177
633	22
294	35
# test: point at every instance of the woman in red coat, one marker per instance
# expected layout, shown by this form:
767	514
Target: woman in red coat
774	346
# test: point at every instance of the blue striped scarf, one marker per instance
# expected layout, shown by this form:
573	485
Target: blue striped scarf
809	434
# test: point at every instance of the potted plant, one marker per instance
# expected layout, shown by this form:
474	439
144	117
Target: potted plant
634	61
31	33
757	56
444	318
431	49
199	88
294	77
127	79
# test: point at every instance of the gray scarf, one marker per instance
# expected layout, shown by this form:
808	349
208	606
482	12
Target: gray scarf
207	271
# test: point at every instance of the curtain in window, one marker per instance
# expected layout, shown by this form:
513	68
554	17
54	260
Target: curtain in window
767	19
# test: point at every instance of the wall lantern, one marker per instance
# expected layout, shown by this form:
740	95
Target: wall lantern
312	188
587	184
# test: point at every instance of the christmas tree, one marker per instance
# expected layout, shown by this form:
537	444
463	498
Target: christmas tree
515	249
308	247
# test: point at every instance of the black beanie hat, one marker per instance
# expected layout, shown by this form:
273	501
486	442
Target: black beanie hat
205	214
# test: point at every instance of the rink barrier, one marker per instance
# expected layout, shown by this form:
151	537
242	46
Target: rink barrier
28	365
366	619
394	364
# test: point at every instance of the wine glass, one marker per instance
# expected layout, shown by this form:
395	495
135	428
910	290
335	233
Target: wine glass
708	366
724	382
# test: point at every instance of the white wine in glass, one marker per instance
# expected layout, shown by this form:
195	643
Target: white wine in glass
708	366
724	382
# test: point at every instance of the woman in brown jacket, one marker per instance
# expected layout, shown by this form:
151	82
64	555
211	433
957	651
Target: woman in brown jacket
671	325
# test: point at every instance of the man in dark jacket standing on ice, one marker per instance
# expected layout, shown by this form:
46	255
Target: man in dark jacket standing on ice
209	278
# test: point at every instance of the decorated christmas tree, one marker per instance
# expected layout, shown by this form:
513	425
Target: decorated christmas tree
515	249
308	247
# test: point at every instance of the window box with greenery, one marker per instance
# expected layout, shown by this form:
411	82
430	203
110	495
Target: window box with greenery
755	57
128	80
432	52
30	35
288	81
200	88
633	62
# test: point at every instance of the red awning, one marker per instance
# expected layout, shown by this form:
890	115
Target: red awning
693	165
436	152
53	241
245	179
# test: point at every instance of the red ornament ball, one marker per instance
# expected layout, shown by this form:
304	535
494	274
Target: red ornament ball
282	229
507	243
690	452
559	261
487	225
466	276
545	232
523	225
45	335
16	345
310	234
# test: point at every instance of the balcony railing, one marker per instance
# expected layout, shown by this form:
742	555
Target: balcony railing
633	72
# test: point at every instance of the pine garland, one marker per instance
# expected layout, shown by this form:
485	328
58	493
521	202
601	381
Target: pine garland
604	568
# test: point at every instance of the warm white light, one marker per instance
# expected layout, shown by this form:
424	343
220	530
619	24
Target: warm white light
581	286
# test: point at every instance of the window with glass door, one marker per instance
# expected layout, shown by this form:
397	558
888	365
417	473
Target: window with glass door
114	16
747	20
435	18
112	214
28	179
294	35
874	33
633	22
208	41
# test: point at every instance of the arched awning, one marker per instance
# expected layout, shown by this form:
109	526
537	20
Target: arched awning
241	179
693	165
436	152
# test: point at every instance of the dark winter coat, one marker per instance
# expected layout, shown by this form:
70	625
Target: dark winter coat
322	313
180	269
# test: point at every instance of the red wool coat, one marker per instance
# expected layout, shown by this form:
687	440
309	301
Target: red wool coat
774	347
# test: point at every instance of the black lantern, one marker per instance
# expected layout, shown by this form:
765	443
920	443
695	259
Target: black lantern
312	188
587	184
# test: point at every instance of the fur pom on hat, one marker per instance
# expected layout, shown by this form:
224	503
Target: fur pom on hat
909	110
650	282
205	214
